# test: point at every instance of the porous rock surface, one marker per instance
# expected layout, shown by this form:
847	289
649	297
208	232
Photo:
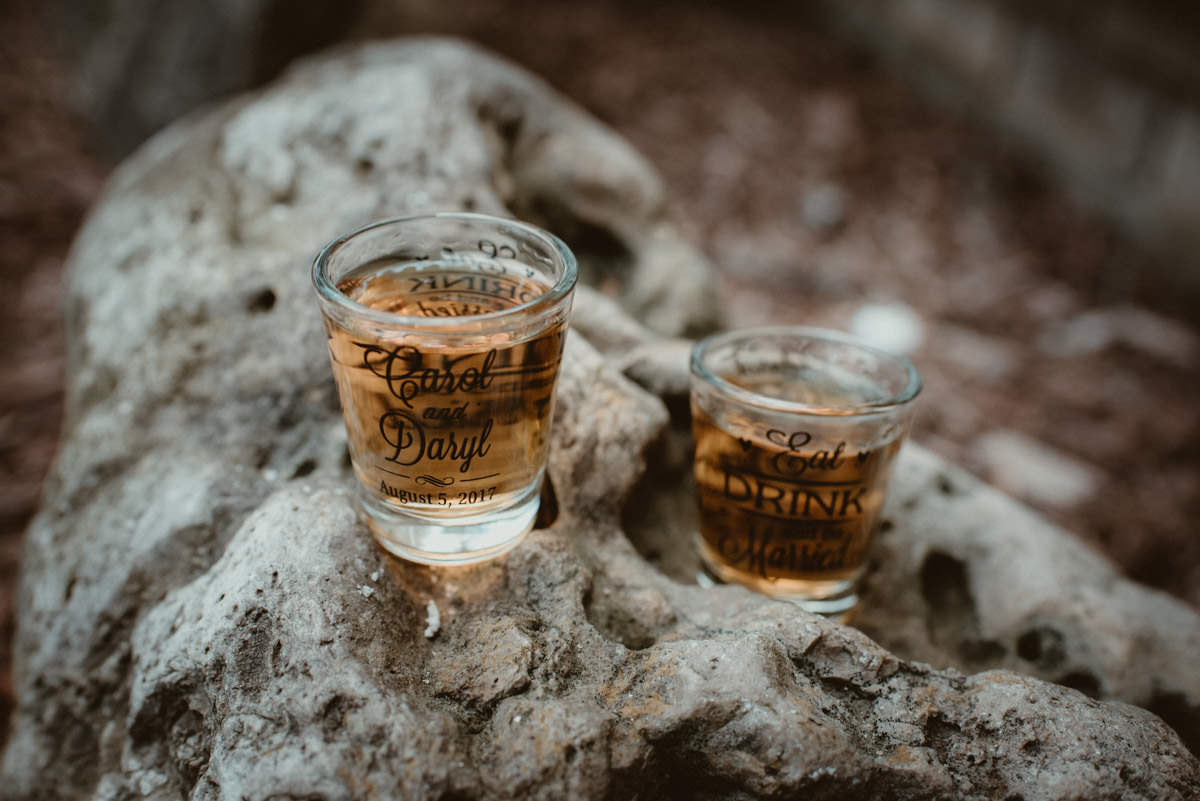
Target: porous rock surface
203	617
961	575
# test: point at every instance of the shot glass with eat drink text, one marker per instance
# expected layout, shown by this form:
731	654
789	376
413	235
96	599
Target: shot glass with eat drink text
796	431
445	335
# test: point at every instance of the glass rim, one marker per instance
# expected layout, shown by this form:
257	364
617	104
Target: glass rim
907	395
560	289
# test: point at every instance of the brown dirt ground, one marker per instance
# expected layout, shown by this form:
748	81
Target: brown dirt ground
47	180
744	113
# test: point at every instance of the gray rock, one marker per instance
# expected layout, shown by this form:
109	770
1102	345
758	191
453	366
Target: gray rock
1034	471
992	584
977	356
962	576
895	326
202	615
1141	330
823	207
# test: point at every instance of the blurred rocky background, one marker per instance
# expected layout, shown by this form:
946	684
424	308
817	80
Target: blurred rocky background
1008	191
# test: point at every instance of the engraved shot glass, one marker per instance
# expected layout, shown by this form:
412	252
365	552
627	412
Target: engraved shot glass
445	335
796	431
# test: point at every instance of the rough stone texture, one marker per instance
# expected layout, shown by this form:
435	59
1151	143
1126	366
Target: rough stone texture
961	576
202	616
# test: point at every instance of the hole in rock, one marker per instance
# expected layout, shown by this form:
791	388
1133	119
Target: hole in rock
261	301
1043	646
659	515
604	260
675	772
510	128
1029	646
305	468
188	746
945	585
333	713
941	734
952	618
548	510
262	457
618	618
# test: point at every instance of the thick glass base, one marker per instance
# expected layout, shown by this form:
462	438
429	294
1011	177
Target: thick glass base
450	540
833	597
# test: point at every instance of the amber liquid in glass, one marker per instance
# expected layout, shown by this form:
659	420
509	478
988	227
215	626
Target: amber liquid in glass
782	510
437	428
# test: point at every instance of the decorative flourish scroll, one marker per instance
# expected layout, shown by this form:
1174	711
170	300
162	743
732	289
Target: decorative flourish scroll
434	480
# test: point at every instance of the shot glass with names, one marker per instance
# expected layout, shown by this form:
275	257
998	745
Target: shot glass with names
445	336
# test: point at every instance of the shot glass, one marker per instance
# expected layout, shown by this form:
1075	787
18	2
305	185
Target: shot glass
445	335
796	431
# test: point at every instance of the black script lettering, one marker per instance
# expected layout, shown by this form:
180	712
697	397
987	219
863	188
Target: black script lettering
758	550
451	309
731	548
854	500
792	463
402	431
793	442
402	368
407	436
446	413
